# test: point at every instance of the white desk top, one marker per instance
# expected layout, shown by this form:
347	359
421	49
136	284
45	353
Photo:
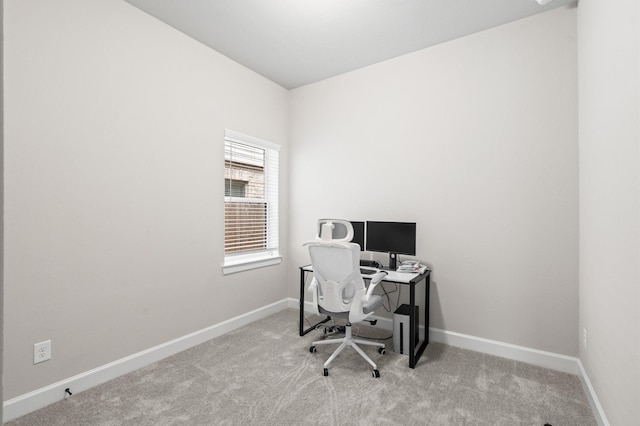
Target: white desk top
392	276
399	277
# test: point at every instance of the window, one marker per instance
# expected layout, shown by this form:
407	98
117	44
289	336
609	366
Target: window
250	202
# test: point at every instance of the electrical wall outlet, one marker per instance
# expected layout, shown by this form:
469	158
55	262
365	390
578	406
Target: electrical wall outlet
584	338
42	351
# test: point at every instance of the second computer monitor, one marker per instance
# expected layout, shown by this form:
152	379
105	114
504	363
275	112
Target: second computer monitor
358	234
391	237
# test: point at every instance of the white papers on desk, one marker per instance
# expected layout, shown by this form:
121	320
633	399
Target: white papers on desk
412	267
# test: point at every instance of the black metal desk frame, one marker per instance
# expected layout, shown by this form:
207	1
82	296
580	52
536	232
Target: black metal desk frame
414	353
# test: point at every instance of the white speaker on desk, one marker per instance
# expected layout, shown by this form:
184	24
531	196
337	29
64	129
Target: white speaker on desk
401	329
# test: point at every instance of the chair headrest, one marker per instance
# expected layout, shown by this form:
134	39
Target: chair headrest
334	230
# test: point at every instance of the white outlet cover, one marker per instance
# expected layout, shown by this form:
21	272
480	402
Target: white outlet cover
42	351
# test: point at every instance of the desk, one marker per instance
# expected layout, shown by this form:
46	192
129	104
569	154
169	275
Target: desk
393	277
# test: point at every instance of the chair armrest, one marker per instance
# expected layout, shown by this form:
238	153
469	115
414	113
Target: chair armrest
375	280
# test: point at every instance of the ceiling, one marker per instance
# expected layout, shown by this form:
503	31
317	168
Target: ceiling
297	42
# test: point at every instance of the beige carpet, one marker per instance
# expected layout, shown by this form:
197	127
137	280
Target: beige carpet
264	374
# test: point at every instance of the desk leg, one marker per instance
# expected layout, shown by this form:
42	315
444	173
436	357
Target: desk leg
301	302
302	331
427	301
413	356
412	325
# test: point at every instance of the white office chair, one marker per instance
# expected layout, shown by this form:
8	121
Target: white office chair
338	289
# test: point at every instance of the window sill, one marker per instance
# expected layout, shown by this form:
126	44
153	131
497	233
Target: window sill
232	268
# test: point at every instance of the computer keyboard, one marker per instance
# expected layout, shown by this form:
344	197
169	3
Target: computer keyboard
367	271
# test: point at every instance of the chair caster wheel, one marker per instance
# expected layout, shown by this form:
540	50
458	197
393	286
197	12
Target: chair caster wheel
326	330
325	373
382	351
375	373
312	349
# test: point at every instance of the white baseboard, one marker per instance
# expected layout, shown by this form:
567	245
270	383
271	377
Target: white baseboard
39	398
598	412
564	363
24	404
551	360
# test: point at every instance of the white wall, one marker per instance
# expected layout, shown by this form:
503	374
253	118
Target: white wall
609	70
1	202
476	141
114	126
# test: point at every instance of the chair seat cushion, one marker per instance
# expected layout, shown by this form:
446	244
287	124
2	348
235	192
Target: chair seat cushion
368	306
343	315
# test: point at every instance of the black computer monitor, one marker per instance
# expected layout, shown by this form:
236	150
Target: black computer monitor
391	237
358	234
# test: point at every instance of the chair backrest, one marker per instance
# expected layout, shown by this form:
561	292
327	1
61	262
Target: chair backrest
336	267
335	230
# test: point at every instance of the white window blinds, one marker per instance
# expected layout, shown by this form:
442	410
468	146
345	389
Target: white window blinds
250	202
